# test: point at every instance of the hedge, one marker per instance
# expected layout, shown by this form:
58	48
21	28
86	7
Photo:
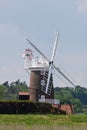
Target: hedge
26	107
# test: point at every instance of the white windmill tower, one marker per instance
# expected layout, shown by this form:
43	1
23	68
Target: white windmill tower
41	77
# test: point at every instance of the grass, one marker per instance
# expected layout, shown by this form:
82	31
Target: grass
41	127
43	122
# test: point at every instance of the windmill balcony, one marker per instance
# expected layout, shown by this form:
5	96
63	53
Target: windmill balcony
36	64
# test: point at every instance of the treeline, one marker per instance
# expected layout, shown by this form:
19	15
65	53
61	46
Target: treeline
76	96
10	91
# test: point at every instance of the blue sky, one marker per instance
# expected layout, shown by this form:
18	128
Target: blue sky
40	19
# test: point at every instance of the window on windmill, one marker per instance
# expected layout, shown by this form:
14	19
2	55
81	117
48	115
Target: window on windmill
42	72
27	54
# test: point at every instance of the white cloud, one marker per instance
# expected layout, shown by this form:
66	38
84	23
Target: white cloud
81	5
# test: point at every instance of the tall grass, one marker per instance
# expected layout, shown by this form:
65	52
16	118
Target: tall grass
43	122
41	127
64	127
13	127
33	119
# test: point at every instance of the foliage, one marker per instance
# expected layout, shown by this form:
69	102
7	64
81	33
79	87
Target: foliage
43	122
77	96
26	107
46	120
41	127
11	91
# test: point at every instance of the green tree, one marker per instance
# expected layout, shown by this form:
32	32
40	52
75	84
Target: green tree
2	91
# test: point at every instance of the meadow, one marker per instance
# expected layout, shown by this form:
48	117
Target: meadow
43	122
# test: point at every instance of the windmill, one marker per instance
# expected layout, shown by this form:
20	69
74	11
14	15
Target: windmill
41	73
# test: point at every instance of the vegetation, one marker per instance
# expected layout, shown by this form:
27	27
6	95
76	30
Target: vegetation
77	96
40	127
26	107
43	122
48	120
10	91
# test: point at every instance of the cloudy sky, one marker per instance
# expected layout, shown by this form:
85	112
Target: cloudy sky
40	19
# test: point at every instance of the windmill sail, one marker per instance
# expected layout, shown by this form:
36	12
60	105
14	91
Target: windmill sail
51	64
46	87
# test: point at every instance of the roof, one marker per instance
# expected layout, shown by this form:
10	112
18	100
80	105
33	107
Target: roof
68	108
23	93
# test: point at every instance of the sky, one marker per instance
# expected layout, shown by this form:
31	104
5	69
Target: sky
40	19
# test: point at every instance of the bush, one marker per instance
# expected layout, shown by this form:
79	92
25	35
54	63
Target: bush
24	107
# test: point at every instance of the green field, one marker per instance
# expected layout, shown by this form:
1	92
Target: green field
43	122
